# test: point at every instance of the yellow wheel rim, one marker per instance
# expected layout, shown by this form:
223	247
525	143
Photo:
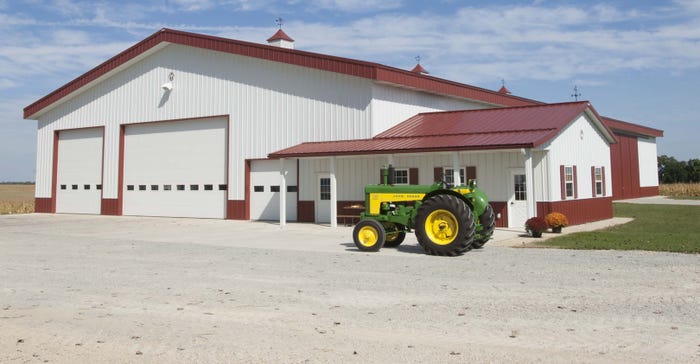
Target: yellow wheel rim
441	226
368	236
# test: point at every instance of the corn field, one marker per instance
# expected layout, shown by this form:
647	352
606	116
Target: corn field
680	189
16	199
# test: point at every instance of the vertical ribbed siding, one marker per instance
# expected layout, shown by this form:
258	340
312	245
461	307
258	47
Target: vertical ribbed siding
44	160
581	145
648	173
271	106
392	105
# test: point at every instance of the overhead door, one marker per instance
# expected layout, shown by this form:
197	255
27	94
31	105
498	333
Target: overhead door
265	189
176	168
79	171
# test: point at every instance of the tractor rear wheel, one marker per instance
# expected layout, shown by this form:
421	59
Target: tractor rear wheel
488	223
445	225
395	235
369	235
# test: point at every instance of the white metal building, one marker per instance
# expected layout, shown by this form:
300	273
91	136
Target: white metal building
182	124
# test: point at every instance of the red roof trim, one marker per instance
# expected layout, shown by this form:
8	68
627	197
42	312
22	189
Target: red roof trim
341	65
280	35
626	127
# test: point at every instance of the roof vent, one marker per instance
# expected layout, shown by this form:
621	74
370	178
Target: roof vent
281	39
418	68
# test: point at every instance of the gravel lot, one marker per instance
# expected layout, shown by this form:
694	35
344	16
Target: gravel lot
159	290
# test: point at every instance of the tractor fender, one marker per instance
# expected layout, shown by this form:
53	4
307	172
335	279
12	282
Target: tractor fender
448	192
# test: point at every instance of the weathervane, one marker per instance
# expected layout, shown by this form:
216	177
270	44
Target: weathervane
576	94
279	21
417	58
503	82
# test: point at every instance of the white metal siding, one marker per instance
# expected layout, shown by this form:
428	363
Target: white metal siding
181	153
392	105
271	105
648	173
265	204
582	145
79	171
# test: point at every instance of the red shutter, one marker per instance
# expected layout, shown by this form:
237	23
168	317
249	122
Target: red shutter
575	183
593	180
602	171
562	179
471	173
437	174
413	176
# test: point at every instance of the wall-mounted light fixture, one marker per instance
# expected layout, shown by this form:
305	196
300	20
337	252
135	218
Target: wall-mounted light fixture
168	86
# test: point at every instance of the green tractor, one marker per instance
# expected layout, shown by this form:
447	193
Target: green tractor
448	220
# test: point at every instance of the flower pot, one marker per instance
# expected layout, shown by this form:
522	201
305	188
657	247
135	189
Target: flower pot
556	229
536	234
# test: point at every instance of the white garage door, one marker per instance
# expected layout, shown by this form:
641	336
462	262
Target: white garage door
176	169
265	190
79	174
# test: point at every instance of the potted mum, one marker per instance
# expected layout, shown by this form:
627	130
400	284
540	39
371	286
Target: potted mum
535	226
556	221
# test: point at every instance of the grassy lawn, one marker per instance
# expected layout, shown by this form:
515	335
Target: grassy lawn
655	228
16	199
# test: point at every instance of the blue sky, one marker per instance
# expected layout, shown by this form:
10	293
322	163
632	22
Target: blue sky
637	61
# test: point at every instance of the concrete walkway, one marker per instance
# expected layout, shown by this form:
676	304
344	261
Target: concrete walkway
519	238
660	200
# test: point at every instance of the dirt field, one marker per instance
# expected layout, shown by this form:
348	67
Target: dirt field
16	199
108	289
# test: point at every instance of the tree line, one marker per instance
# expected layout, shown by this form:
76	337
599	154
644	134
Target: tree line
675	171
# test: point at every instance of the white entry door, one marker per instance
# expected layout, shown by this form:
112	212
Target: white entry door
79	176
517	203
323	199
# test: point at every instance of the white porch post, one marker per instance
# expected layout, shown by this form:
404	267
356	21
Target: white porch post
283	194
334	195
455	169
529	184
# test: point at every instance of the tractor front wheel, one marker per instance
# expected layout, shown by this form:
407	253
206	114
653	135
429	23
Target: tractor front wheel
369	235
445	225
488	223
395	235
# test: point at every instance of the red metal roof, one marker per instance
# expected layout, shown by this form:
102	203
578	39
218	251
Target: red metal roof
280	35
624	127
373	71
500	128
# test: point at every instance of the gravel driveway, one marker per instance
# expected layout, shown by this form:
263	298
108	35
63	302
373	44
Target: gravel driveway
159	290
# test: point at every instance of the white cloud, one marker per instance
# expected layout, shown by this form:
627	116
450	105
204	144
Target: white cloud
68	7
5	83
472	45
191	5
357	6
70	37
